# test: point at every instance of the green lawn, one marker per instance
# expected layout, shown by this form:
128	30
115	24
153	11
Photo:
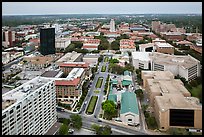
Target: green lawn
99	82
103	69
92	104
96	91
106	59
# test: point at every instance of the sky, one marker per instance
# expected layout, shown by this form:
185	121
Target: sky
39	8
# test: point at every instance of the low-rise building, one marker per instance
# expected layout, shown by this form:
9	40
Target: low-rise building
164	48
127	45
67	67
91	58
141	60
175	36
184	66
91	44
62	43
172	103
69	89
70	57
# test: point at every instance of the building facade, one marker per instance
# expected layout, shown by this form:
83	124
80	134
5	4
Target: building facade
47	41
29	109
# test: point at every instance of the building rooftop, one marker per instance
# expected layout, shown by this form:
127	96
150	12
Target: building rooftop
50	73
166	59
75	73
172	101
112	97
74	64
129	103
163	45
23	91
141	55
71	56
167	87
157	74
91	56
65	82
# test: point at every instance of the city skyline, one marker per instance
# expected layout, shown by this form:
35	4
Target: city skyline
41	8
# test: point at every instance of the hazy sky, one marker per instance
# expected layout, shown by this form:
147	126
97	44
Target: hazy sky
32	8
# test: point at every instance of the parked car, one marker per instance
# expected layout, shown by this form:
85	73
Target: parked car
99	120
71	131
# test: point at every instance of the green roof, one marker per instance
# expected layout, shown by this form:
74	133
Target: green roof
129	103
126	82
111	89
126	72
112	97
114	81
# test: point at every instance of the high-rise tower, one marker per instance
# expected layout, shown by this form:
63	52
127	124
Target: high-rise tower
47	41
112	25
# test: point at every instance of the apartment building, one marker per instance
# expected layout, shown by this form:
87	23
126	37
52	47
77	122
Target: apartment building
29	109
127	45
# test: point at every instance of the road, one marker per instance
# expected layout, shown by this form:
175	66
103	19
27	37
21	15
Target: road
92	89
88	121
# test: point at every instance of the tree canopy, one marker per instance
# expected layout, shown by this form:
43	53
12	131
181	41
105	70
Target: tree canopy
76	120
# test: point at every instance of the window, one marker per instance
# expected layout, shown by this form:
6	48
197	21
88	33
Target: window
129	119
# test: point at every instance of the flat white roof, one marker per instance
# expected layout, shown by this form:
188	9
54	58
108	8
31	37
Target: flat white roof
75	73
164	45
144	56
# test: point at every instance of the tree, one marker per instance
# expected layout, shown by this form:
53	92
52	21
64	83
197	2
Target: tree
139	94
104	130
76	120
109	107
95	127
100	58
63	129
115	45
113	61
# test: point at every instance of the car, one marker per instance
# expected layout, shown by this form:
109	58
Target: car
99	120
95	116
71	131
85	102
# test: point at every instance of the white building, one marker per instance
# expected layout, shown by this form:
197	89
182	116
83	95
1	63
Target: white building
62	43
184	66
29	109
129	112
112	25
141	60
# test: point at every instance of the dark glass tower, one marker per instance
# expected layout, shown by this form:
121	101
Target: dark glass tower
47	41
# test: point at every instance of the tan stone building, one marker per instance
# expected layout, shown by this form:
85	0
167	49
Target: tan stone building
172	103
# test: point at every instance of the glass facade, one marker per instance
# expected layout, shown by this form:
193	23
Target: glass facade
47	41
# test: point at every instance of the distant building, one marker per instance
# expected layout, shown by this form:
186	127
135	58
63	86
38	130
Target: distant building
127	45
62	43
91	58
112	25
91	44
47	41
29	109
175	36
8	38
70	57
164	48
